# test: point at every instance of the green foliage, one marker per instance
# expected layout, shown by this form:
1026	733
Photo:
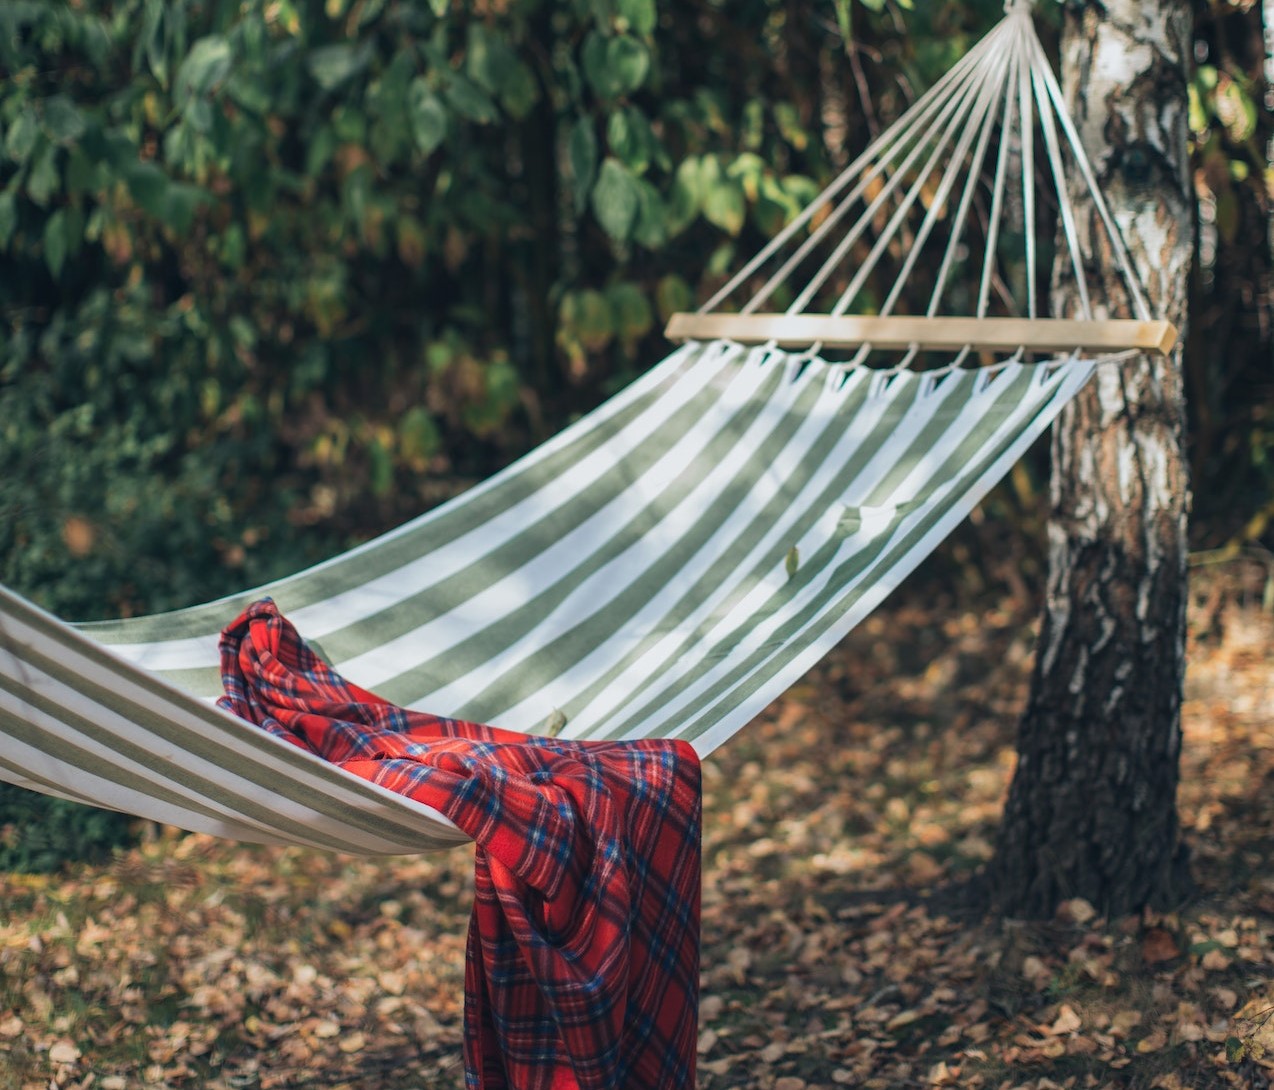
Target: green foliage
278	274
1230	396
272	267
39	834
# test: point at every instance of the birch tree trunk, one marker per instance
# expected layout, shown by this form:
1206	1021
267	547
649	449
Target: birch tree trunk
1092	808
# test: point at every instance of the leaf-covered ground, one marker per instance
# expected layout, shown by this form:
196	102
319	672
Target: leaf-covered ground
840	830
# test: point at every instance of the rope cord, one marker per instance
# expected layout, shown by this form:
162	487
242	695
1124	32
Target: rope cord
915	117
952	119
1139	305
1027	132
921	128
967	126
988	109
911	173
1069	228
972	180
997	196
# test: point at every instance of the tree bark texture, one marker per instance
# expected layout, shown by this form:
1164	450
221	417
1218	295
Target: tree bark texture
1092	808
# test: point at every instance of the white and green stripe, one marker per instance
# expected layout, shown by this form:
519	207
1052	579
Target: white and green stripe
630	573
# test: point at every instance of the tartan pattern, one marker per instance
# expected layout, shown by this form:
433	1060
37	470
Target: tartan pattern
583	948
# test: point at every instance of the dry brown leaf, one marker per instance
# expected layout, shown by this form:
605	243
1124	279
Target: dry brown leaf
355	1042
773	1052
1215	961
63	1052
903	1018
1158	946
1067	1022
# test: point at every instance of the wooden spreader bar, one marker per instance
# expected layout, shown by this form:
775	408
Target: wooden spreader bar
938	334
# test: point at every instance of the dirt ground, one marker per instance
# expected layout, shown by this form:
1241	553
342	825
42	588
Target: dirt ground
840	830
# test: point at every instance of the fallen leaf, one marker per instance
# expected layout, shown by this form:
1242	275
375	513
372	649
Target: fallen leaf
1123	1021
1158	946
1067	1022
1077	909
904	1018
355	1042
63	1052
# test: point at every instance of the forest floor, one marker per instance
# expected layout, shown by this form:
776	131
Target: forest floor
840	829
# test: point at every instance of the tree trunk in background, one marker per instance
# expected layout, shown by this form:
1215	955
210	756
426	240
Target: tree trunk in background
1092	809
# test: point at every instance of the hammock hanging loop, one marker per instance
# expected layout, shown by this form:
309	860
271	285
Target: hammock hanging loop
942	213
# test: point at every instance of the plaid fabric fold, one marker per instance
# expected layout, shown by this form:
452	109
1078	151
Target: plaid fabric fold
583	948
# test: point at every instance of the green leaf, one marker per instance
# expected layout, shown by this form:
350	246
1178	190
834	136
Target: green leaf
469	100
582	151
233	249
62	121
180	203
640	15
148	186
322	144
588	317
724	206
593	58
486	58
684	201
8	217
198	115
428	116
630	311
519	93
43	180
844	20
774	207
672	295
332	65
205	66
382	468
614	66
615	199
789	123
22	136
792	561
156	40
651	229
629	61
55	242
629	137
800	189
418	436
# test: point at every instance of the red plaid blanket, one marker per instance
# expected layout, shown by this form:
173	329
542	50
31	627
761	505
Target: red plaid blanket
583	949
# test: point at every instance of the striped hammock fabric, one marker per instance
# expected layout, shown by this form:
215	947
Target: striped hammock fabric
664	567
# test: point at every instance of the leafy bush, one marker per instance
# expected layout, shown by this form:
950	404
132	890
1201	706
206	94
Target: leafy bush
38	833
278	275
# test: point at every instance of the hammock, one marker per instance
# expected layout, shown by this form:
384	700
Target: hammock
670	563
